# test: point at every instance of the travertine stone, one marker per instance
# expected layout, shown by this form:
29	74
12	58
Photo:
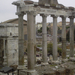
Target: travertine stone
7	28
12	51
30	48
71	36
63	37
54	37
21	39
44	39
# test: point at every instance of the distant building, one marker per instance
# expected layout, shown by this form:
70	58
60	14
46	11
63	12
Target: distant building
9	40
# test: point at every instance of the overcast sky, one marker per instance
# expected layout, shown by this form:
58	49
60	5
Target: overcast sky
7	10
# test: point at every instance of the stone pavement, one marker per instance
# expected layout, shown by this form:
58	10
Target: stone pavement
9	73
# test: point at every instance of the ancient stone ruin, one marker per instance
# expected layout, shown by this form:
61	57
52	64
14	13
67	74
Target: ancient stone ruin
44	8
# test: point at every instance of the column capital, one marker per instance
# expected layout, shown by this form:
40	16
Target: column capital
71	17
62	16
54	16
43	15
20	13
31	12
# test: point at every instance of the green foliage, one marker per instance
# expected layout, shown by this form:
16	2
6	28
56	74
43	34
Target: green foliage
38	45
50	48
40	30
59	51
54	5
67	27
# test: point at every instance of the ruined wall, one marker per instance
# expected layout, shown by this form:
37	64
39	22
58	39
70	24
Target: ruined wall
1	52
12	46
10	32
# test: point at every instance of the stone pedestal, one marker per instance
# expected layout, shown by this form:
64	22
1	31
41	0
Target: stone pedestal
19	68
28	72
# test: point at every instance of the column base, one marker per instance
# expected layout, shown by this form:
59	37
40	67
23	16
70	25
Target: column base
37	65
64	60
56	62
43	64
72	59
21	67
28	72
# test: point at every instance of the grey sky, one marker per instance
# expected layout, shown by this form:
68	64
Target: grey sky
7	10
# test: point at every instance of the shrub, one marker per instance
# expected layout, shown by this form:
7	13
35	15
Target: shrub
50	48
60	51
38	45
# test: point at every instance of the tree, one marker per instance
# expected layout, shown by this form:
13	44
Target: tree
40	30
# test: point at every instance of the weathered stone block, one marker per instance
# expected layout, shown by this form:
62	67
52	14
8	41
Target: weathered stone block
60	71
28	72
12	51
69	71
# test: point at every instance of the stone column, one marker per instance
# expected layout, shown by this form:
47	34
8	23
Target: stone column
5	58
63	37
21	39
34	30
54	37
44	39
71	36
30	32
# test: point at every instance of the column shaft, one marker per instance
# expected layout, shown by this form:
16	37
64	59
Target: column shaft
64	37
5	59
71	36
54	37
44	39
21	39
30	48
34	30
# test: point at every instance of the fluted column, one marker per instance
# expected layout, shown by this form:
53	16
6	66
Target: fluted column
54	37
44	38
63	37
21	39
71	36
30	32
